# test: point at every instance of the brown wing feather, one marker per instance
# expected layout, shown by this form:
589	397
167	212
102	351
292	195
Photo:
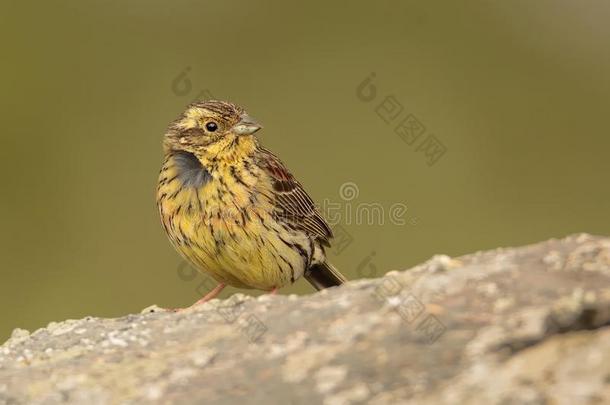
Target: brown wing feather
293	203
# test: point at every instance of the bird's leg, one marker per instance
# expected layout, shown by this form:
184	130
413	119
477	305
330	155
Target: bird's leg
211	295
274	291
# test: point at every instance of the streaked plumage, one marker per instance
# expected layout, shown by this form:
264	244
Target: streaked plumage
233	210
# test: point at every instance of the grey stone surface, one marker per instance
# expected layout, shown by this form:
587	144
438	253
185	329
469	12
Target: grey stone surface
525	325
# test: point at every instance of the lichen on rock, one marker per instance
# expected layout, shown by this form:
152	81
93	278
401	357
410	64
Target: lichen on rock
515	325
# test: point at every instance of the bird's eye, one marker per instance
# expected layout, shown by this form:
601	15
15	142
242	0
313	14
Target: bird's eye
211	126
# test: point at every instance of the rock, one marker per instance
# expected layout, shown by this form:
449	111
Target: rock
510	326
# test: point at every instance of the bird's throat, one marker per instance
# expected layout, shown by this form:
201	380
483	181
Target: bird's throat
228	151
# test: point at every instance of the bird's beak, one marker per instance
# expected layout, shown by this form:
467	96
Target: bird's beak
246	126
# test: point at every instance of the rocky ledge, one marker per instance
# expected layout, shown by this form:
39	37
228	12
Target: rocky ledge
528	325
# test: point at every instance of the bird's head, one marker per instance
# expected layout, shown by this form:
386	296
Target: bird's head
209	127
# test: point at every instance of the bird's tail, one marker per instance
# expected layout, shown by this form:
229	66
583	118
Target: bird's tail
324	275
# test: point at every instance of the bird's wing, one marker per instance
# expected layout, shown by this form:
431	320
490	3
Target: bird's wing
292	202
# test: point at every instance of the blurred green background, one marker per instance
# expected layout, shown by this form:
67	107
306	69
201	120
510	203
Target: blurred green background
517	92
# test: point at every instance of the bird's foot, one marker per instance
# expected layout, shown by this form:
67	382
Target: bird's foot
209	296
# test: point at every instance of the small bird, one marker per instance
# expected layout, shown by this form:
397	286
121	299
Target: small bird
232	209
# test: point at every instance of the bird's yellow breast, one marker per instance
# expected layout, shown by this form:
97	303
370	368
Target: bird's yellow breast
223	223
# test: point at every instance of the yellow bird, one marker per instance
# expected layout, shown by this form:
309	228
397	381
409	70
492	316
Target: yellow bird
232	209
